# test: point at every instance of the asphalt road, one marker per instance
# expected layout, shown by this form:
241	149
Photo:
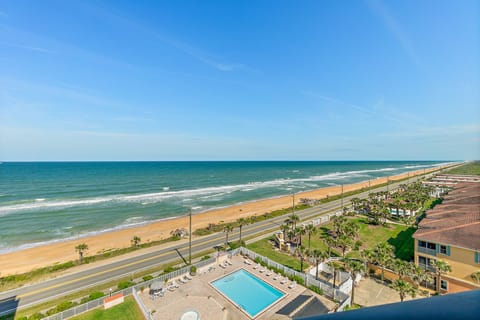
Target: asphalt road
40	292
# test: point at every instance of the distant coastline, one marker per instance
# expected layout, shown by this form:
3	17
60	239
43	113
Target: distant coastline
61	251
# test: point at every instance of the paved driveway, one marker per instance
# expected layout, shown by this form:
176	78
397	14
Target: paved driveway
370	292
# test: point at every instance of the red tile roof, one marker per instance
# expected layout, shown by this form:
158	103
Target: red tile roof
456	221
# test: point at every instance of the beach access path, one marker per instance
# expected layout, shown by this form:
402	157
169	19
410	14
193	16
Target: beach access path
30	295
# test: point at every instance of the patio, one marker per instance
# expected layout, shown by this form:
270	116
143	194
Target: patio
199	296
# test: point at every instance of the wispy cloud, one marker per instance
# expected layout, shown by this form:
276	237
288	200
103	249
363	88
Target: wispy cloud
381	10
199	55
362	109
26	47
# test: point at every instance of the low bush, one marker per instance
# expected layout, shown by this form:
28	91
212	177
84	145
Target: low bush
125	284
146	278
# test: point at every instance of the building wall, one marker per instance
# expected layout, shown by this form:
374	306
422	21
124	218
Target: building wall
455	285
462	262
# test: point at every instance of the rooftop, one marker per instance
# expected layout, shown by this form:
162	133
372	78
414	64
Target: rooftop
457	220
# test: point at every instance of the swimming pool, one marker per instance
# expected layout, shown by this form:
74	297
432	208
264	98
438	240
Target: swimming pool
247	291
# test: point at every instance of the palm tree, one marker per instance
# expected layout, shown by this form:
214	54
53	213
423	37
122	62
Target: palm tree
420	274
319	256
81	248
300	231
292	234
135	241
404	288
294	219
441	267
227	229
476	276
301	253
402	268
310	229
336	266
241	222
384	254
354	267
330	242
344	243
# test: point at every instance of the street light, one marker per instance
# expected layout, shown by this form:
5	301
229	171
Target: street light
293	203
110	291
190	239
342	198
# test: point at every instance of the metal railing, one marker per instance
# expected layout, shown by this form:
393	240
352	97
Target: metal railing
126	292
308	279
431	252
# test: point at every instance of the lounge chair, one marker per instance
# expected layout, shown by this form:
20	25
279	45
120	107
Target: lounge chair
284	280
229	262
292	285
269	273
262	270
188	277
246	261
221	265
276	276
182	280
175	284
256	266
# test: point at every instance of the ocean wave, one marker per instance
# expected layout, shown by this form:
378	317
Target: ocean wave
64	236
200	193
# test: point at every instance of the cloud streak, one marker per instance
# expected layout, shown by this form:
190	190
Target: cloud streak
27	47
205	58
381	11
356	107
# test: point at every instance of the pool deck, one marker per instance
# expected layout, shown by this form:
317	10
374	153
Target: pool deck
197	294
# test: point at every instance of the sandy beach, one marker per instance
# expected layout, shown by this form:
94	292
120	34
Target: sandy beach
28	259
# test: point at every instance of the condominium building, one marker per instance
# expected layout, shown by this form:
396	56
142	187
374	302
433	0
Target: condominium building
451	232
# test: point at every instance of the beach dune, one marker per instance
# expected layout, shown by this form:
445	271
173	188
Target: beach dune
25	260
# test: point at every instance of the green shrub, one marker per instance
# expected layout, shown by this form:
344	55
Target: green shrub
36	316
146	278
193	270
169	269
92	296
205	258
124	284
316	289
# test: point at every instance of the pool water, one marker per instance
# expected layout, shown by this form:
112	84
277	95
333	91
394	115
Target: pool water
247	291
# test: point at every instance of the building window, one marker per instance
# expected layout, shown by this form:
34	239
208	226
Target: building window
422	244
422	260
431	246
443	249
444	285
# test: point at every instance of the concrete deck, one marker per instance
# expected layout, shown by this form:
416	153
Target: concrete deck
198	295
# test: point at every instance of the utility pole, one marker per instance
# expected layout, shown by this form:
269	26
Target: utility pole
342	198
293	203
190	239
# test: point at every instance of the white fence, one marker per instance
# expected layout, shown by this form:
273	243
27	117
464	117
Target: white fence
99	302
309	280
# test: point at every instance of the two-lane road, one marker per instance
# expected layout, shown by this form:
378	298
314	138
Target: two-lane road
40	292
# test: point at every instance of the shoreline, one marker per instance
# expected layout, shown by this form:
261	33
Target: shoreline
24	260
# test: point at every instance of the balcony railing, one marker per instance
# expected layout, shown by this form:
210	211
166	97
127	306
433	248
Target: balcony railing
431	252
427	267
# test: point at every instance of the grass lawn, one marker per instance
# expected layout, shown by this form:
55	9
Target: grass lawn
128	310
400	236
264	247
469	168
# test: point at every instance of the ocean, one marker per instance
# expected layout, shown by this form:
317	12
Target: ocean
43	202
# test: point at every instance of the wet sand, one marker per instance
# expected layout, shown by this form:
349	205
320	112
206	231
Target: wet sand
41	256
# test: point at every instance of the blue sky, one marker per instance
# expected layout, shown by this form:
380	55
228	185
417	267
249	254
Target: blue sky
239	80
